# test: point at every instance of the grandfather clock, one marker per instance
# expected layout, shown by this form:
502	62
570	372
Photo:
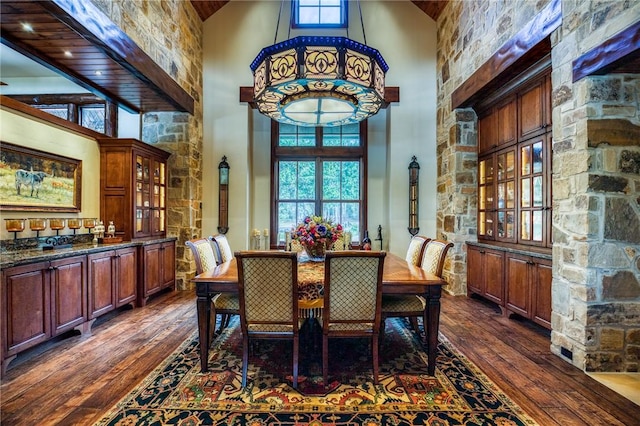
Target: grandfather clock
414	170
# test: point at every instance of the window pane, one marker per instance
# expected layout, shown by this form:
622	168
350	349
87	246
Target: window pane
350	220
525	154
307	180
482	229
288	171
511	164
93	118
286	216
305	209
350	180
501	224
510	225
331	211
511	195
330	15
331	180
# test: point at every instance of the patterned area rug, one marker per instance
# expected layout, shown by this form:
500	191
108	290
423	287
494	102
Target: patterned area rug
177	393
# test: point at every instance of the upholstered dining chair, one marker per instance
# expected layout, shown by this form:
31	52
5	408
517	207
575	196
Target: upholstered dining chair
225	304
411	306
223	248
228	302
342	243
352	300
268	287
415	249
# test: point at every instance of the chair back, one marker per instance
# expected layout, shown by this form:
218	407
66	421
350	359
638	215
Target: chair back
268	290
416	249
353	291
434	256
224	251
203	253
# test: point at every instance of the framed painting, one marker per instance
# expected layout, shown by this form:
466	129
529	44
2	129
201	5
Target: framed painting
32	180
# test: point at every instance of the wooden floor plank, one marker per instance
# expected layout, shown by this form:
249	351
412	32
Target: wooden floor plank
63	382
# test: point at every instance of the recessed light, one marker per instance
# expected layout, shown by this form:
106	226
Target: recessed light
27	27
68	53
98	72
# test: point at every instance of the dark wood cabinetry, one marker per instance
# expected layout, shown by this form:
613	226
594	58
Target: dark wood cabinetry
529	288
159	270
519	283
42	300
514	199
486	276
112	280
133	187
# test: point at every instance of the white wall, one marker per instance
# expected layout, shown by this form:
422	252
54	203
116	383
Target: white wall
25	131
406	38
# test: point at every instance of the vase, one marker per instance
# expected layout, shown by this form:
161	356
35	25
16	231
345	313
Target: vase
316	251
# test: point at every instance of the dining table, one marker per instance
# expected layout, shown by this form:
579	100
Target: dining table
398	277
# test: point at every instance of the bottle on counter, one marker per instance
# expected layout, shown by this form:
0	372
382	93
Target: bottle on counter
366	241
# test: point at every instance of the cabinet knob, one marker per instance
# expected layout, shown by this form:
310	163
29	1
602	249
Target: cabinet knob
51	268
481	251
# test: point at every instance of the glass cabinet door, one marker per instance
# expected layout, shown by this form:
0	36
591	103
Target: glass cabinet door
486	208
506	195
532	191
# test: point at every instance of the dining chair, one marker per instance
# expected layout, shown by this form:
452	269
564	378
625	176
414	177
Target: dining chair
414	306
268	288
206	254
352	300
416	249
342	243
224	252
225	304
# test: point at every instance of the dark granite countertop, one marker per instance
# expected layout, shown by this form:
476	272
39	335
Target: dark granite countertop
11	258
535	252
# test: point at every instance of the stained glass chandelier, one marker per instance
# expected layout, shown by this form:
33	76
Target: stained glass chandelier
319	81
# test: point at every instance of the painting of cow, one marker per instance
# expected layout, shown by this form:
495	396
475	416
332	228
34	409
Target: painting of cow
29	179
33	180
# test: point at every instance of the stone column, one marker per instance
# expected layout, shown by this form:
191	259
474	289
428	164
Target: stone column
457	193
596	290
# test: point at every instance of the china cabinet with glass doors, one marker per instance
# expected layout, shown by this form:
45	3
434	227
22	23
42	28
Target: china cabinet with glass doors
133	188
514	201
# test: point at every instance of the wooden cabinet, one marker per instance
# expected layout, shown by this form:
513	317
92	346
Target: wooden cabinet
41	300
529	287
159	269
518	283
112	280
485	273
534	109
514	168
133	187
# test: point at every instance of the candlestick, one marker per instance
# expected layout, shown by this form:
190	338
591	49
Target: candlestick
15	226
56	224
74	223
37	224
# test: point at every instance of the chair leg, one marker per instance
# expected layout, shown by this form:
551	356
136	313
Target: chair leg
414	325
224	321
212	323
296	349
245	359
375	358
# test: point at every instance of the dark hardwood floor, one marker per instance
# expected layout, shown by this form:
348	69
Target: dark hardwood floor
73	381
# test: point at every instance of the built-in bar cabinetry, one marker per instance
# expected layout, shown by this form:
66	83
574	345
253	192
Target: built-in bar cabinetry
159	271
47	293
511	264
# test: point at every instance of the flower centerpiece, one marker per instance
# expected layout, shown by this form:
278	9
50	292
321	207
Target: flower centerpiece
316	235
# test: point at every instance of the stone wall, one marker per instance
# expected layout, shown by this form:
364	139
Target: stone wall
170	32
596	290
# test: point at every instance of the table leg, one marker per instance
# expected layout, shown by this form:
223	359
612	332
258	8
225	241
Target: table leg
432	326
204	322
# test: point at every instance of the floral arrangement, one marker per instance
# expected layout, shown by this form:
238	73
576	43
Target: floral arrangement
314	231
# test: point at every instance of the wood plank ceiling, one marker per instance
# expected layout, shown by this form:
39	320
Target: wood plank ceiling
73	38
206	8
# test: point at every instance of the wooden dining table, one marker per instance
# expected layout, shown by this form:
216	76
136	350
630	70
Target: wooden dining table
399	277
